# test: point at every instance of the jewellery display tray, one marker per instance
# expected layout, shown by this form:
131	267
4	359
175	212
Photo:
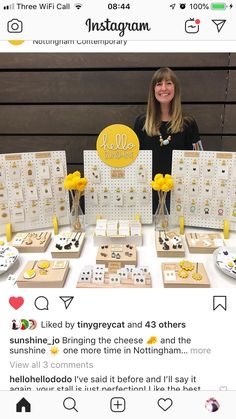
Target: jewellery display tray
188	282
53	278
225	260
71	244
8	256
38	241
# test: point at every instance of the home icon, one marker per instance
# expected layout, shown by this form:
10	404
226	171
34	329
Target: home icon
23	406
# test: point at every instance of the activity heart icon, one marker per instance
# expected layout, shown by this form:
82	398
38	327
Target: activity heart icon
16	302
165	404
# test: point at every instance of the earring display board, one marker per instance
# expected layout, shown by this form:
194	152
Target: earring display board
118	193
127	277
203	242
68	245
204	188
32	242
31	190
43	274
185	275
169	244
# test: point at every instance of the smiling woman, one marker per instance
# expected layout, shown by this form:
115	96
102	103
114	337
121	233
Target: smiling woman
164	128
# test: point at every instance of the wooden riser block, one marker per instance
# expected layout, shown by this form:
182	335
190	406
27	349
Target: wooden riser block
125	283
114	263
74	252
188	282
203	242
172	253
55	278
99	240
37	245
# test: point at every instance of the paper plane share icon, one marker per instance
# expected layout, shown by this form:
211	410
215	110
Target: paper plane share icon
219	23
67	301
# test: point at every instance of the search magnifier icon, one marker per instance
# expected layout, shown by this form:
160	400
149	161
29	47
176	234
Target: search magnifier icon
69	404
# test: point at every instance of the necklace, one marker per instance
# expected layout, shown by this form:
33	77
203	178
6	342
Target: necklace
166	141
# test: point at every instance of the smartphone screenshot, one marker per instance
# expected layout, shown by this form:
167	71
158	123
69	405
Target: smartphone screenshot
117	209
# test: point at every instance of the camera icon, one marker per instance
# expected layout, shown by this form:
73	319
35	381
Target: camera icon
14	26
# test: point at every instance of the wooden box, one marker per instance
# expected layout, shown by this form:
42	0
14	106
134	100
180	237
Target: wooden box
54	276
116	256
32	242
68	245
203	242
169	244
125	283
172	279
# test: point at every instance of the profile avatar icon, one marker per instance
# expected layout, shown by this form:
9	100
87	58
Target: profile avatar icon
32	324
15	325
212	405
24	324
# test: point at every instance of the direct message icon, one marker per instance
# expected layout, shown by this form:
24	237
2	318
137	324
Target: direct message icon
165	404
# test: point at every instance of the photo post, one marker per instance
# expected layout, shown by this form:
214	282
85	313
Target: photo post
117	209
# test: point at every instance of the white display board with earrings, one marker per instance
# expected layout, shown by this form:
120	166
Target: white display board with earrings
31	190
118	193
204	188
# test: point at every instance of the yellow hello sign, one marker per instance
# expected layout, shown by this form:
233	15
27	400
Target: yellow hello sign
117	145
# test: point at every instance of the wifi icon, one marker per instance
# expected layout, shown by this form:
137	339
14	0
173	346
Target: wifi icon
78	5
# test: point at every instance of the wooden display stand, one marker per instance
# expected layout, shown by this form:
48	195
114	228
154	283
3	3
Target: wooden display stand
68	245
32	242
171	278
124	283
204	242
54	276
137	240
117	256
169	244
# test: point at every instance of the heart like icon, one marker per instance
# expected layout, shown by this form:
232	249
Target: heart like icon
16	302
165	404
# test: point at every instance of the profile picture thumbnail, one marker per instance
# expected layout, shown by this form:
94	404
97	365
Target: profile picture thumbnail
212	405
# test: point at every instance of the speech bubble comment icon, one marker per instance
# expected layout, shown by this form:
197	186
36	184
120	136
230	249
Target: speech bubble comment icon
41	303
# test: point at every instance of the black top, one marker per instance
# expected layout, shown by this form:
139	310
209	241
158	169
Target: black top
162	155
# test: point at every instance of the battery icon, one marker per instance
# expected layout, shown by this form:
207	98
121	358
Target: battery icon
218	6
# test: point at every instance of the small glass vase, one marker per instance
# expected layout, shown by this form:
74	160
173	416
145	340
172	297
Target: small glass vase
162	216
77	223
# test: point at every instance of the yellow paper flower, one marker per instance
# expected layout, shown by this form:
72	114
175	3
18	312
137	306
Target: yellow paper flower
160	183
158	176
74	181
